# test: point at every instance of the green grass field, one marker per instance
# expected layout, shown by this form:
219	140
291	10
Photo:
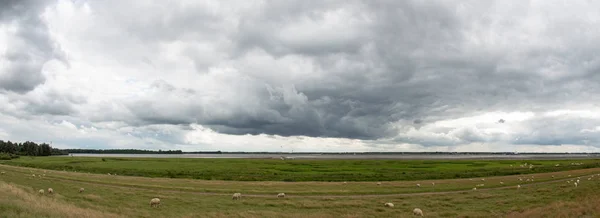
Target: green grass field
548	195
299	170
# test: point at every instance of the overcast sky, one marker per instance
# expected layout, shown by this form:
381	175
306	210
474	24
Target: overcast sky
306	75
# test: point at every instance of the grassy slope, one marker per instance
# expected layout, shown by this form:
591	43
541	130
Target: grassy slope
298	170
109	195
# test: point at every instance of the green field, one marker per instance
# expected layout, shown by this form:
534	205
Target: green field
547	195
299	170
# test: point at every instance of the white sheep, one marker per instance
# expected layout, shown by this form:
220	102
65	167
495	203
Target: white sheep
378	183
50	191
417	212
482	179
501	183
41	191
419	185
552	176
155	202
474	189
578	181
281	195
81	190
575	185
236	196
2	172
388	204
518	186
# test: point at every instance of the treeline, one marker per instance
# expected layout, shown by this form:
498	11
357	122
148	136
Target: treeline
121	151
14	149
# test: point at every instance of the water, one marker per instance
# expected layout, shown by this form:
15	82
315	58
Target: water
357	156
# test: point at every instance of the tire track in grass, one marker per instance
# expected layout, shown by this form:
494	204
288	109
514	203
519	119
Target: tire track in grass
170	190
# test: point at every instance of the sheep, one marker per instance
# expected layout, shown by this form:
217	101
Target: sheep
575	185
155	202
378	183
419	185
482	179
552	176
50	191
518	186
433	184
281	195
41	191
417	212
474	188
501	183
578	181
388	204
81	190
2	172
236	196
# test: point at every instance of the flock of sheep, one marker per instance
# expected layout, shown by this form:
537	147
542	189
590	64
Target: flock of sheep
155	202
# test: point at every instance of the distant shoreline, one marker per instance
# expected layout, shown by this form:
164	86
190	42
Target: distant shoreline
357	156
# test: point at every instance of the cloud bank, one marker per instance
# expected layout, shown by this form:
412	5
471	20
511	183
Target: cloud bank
302	75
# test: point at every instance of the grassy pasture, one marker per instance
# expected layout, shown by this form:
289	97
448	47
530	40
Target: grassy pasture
299	170
549	195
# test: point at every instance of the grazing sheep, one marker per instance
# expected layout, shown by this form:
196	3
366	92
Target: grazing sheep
518	186
552	176
419	185
501	183
50	191
154	202
568	181
236	196
281	195
589	178
482	179
575	185
417	212
81	190
345	182
433	184
378	183
388	204
3	172
474	189
578	181
41	191
32	175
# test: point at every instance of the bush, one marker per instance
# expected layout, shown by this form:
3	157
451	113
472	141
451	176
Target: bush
8	156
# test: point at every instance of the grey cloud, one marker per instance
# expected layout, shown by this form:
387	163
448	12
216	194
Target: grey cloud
30	46
408	60
379	69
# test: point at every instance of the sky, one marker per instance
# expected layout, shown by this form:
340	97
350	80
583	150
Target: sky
302	75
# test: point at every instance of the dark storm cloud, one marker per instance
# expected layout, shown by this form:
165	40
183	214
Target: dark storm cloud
29	46
395	61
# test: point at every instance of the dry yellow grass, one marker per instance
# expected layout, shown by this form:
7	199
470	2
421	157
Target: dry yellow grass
19	202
